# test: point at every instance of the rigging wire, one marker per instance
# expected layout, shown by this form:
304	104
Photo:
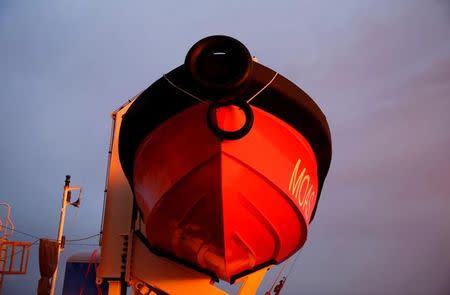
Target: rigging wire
293	264
281	271
22	232
73	221
67	240
83	239
72	244
82	244
276	278
34	243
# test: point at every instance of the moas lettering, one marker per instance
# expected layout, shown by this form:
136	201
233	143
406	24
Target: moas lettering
302	189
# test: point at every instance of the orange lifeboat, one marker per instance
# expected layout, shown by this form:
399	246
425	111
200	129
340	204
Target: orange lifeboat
226	159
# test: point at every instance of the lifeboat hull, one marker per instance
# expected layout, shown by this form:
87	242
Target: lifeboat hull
228	207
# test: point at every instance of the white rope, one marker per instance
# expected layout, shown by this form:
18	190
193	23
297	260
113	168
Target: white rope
262	89
201	100
182	90
293	263
276	278
282	268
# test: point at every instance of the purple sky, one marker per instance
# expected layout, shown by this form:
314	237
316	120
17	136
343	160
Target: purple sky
380	70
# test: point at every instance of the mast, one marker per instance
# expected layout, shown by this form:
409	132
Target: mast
65	201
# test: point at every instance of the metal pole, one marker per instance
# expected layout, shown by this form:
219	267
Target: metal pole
62	217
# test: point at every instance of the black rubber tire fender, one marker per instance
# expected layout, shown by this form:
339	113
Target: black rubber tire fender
219	63
230	135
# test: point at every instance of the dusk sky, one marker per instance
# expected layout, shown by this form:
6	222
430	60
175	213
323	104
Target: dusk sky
380	71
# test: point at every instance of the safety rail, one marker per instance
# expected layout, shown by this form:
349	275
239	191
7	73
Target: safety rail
9	263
